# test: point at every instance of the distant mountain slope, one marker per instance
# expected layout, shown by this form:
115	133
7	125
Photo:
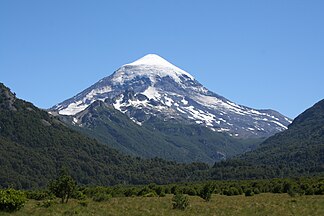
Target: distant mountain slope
34	146
296	151
152	87
170	140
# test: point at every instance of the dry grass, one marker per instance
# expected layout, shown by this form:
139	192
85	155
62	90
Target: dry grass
263	204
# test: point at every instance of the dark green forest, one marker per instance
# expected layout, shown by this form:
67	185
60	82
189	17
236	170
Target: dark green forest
35	146
294	152
169	140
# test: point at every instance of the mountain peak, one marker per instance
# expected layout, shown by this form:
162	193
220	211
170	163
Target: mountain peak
152	59
156	60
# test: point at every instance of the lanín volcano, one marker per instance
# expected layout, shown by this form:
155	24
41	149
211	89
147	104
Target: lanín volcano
153	87
151	108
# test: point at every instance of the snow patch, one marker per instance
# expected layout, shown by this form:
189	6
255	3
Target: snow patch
184	101
168	101
281	125
207	118
151	93
136	122
95	92
73	108
118	103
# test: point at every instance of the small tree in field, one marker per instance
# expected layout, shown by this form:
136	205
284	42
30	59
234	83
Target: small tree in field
206	192
63	187
180	201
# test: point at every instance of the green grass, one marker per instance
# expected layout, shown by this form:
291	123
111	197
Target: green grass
263	204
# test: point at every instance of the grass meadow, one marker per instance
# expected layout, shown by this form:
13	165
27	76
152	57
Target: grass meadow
261	204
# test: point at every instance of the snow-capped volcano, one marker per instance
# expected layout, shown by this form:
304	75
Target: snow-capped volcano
151	86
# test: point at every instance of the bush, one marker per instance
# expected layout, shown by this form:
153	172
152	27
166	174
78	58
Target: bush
100	197
174	189
309	191
206	192
162	194
12	200
167	190
145	190
319	189
130	192
79	195
256	191
159	190
93	191
191	191
249	192
180	201
232	191
151	194
39	195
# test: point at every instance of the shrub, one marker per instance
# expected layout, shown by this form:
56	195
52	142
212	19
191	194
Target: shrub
174	189
93	191
152	186
167	190
191	191
232	191
12	200
309	191
277	188
159	190
180	201
206	192
39	195
145	190
162	194
249	192
100	197
79	195
150	194
131	192
319	189
256	191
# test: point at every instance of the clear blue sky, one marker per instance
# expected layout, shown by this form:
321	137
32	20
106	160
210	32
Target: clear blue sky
262	53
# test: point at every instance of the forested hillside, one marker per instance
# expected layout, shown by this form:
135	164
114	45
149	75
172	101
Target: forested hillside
294	152
35	146
170	140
